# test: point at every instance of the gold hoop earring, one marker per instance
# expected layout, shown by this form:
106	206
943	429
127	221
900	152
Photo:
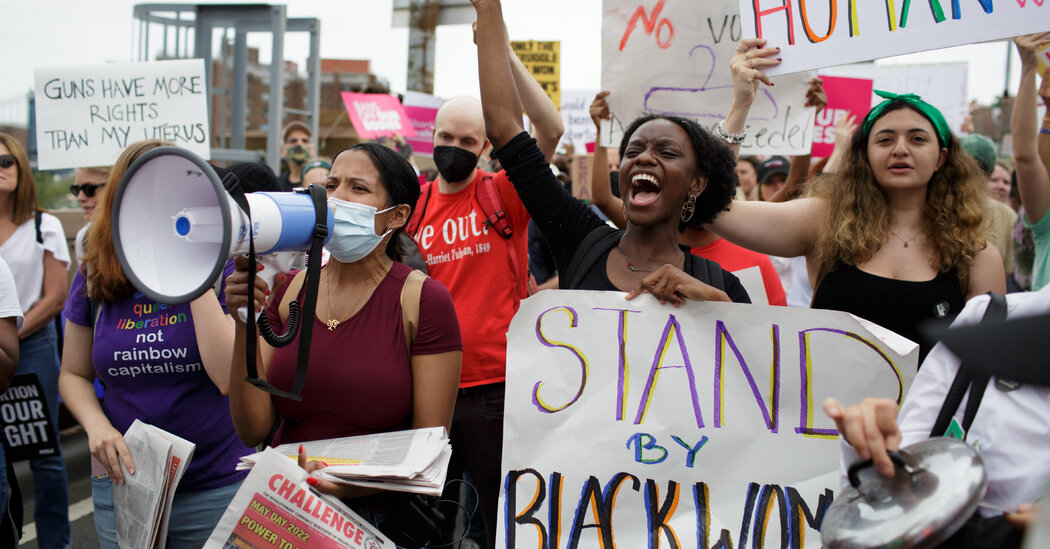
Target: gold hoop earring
688	209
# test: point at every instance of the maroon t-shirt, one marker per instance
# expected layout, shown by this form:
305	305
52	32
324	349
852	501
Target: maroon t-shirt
359	379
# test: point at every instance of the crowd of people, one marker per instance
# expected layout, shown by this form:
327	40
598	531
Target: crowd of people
905	222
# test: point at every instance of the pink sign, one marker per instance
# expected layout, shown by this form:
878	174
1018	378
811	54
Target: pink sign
422	119
845	96
375	115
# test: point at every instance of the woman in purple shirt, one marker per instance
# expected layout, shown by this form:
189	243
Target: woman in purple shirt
166	365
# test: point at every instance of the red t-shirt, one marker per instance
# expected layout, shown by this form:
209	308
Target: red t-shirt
734	258
474	263
359	379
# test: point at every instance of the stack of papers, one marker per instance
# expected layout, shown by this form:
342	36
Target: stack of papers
142	503
404	461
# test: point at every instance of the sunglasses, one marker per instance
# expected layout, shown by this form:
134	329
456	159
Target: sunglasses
88	188
7	160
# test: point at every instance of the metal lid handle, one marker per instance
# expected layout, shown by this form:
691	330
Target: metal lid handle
856	467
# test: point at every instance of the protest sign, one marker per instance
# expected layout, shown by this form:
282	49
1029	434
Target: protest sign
26	420
1044	58
576	118
376	114
86	116
275	507
943	85
543	61
421	110
631	424
845	96
835	32
582	164
673	58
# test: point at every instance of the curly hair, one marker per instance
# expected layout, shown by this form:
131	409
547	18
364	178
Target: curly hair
859	214
713	159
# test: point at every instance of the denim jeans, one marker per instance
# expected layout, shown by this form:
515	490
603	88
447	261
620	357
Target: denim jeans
477	442
38	354
193	514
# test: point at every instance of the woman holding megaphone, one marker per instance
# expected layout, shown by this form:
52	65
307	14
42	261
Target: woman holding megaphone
365	373
165	365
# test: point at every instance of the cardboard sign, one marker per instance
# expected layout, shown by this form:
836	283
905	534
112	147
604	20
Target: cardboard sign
834	32
943	85
421	110
376	114
635	424
543	61
845	96
673	58
576	118
582	164
87	116
28	432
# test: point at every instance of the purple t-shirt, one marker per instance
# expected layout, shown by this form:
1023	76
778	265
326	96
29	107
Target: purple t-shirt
146	356
359	378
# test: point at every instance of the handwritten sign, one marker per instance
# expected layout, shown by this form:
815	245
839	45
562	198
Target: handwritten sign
845	96
421	110
943	85
673	58
576	118
86	116
1044	59
376	114
543	61
632	424
835	32
26	420
582	164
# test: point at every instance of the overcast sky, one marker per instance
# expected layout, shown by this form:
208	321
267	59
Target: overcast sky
71	32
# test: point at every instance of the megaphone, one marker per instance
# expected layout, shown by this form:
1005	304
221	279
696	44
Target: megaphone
175	225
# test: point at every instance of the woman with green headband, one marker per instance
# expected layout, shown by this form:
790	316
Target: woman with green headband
893	236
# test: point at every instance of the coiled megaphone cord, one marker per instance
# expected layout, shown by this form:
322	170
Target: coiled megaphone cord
291	327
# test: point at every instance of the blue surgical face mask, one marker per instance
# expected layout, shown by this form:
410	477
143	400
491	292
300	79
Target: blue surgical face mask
354	234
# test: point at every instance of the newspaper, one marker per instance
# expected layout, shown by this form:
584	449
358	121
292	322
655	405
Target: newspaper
142	503
406	461
275	507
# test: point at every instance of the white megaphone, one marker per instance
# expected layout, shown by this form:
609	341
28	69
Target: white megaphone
175	226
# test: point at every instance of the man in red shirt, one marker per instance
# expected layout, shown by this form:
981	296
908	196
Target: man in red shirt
484	272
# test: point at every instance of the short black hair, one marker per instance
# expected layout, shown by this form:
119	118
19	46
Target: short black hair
713	159
398	178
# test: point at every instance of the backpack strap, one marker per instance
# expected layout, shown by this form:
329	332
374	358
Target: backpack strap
36	224
496	217
592	248
967	379
410	296
705	270
412	227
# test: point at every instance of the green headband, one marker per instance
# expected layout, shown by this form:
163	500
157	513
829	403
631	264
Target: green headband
316	164
940	125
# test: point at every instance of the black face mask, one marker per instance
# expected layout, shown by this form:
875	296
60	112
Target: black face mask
453	163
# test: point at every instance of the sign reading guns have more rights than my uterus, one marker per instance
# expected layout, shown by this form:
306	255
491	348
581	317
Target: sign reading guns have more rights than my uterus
825	33
87	116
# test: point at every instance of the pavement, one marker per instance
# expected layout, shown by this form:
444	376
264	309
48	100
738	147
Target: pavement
78	469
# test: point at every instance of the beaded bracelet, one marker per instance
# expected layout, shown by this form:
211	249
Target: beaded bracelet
730	138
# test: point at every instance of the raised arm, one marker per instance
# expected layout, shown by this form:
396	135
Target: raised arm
499	94
601	193
799	173
747	64
546	119
1033	182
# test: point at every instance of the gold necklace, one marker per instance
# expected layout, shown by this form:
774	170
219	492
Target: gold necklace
634	268
333	323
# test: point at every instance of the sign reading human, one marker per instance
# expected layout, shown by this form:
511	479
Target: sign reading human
635	424
88	115
672	57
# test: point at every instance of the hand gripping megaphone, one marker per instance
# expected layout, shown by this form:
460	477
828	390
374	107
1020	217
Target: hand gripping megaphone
175	225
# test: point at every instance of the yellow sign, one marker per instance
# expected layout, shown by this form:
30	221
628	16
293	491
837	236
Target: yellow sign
543	61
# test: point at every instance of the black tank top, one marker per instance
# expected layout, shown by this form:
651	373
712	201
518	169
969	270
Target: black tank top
898	305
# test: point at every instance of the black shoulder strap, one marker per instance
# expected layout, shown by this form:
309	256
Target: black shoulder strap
593	247
966	378
36	221
705	270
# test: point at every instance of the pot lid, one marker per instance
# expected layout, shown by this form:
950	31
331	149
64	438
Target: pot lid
936	487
